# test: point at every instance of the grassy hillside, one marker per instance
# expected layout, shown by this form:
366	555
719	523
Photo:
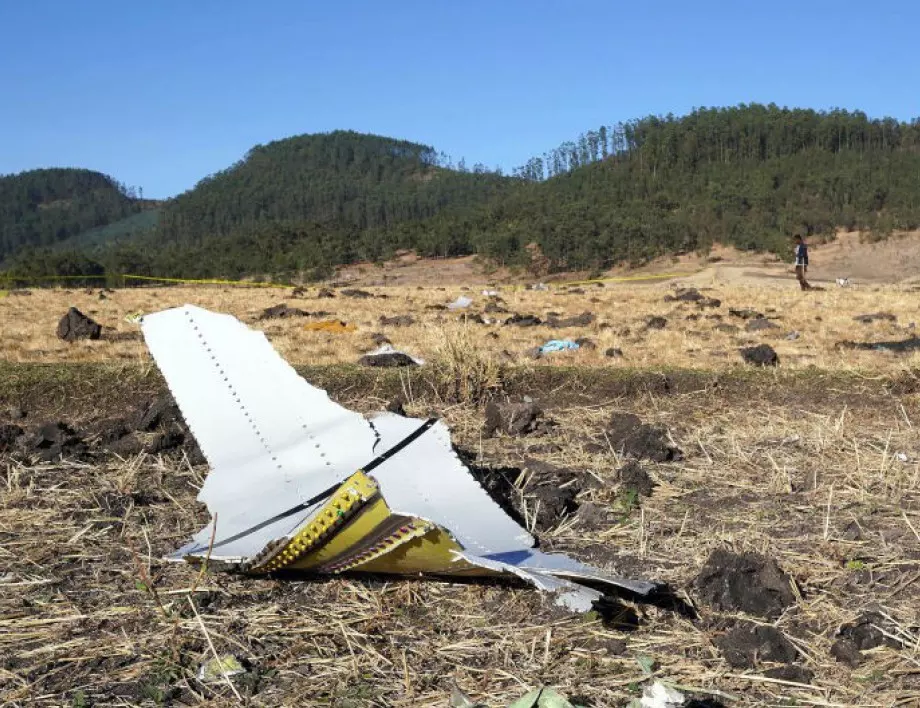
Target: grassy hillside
46	207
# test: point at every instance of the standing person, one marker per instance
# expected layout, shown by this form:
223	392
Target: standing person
801	262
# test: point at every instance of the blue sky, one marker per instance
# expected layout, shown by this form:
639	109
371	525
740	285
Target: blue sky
161	93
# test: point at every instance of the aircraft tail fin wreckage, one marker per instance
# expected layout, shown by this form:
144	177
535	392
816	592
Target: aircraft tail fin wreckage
298	482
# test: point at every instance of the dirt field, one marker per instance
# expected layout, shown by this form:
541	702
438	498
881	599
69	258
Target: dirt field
820	475
779	507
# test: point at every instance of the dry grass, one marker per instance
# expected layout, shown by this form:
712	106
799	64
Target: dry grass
91	616
27	324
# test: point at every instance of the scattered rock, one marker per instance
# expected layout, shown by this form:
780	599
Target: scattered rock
790	672
281	311
582	320
656	323
586	343
759	324
75	325
876	317
511	418
523	320
744	582
746	314
397	321
632	476
747	644
325	292
298	292
761	355
629	435
846	652
355	292
593	516
614	353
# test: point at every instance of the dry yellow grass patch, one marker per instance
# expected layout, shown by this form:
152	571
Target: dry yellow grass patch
691	339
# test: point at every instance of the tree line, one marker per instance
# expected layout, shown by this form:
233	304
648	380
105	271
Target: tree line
748	176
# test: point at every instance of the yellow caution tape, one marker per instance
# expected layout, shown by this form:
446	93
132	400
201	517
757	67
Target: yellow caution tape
192	281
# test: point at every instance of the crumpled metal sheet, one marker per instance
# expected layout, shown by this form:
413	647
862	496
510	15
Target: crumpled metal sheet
274	442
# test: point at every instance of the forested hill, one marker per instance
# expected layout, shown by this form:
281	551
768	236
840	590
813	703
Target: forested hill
749	176
45	207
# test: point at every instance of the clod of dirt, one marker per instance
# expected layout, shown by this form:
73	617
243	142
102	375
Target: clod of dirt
656	323
586	343
551	493
298	292
582	320
593	516
355	292
164	442
846	652
746	314
747	644
494	306
511	418
727	328
761	355
759	324
693	295
627	434
52	441
790	672
387	360
281	311
397	406
876	317
325	292
397	321
75	325
744	582
614	353
632	476
380	339
161	411
126	446
8	436
899	347
574	291
865	632
523	320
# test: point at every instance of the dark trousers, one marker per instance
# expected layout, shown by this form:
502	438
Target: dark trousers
800	276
